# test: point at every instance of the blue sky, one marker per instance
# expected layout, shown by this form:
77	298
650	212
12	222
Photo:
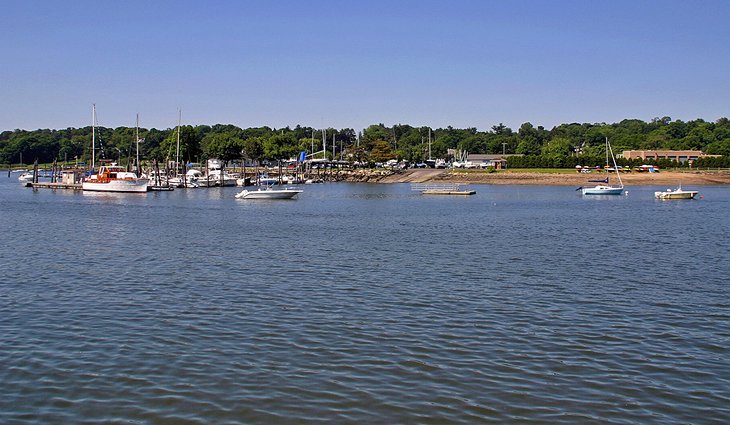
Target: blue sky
355	63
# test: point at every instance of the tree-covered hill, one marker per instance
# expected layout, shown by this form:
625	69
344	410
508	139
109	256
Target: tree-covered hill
376	143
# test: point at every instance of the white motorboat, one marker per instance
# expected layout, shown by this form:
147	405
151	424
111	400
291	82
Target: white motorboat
677	193
111	177
26	177
190	179
269	193
217	178
265	180
114	178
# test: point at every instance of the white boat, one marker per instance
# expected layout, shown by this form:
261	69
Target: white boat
677	193
26	177
269	193
190	179
114	178
605	188
265	180
111	178
217	178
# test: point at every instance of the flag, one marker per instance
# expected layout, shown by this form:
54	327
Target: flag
140	140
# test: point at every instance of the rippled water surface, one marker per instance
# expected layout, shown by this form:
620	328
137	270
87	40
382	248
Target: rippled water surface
364	303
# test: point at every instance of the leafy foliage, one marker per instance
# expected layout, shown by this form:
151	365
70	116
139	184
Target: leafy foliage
564	145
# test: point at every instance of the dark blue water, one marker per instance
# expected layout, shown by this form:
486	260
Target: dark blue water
363	303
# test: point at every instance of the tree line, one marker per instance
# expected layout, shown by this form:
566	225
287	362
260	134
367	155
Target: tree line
565	145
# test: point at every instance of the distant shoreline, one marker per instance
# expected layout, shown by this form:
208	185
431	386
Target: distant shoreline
663	178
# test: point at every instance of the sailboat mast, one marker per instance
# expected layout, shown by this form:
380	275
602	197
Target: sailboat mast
429	144
93	136
137	137
177	149
615	167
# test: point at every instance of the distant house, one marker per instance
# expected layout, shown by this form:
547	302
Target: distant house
679	156
498	161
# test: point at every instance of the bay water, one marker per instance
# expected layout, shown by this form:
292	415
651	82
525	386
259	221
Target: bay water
364	303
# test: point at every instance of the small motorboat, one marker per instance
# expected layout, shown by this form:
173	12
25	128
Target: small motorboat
26	177
269	193
677	193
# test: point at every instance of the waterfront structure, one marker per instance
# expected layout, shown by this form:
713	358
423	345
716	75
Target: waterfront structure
679	156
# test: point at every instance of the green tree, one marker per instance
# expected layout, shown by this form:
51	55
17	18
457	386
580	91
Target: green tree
381	151
223	146
280	146
558	146
253	148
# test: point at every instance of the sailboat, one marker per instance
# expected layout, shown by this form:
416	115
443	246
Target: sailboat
605	188
189	179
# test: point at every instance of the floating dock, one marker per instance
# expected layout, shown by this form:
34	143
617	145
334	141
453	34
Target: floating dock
441	189
48	185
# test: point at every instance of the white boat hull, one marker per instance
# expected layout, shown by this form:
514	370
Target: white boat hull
26	178
676	194
216	182
269	194
603	190
129	186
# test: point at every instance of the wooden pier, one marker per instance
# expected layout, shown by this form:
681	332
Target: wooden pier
48	185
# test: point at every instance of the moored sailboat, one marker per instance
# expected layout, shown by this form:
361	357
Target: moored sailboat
606	188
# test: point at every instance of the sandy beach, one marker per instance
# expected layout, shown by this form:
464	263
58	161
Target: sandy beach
663	178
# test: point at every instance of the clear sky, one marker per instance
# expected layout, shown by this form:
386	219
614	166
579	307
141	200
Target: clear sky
355	63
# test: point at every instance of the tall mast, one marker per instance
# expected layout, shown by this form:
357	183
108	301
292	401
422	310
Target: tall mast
615	167
93	136
324	143
177	150
137	137
429	144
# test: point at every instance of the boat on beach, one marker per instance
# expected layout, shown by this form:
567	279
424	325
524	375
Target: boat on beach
677	193
269	193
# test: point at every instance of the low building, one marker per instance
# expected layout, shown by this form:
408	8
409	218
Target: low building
679	156
498	161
